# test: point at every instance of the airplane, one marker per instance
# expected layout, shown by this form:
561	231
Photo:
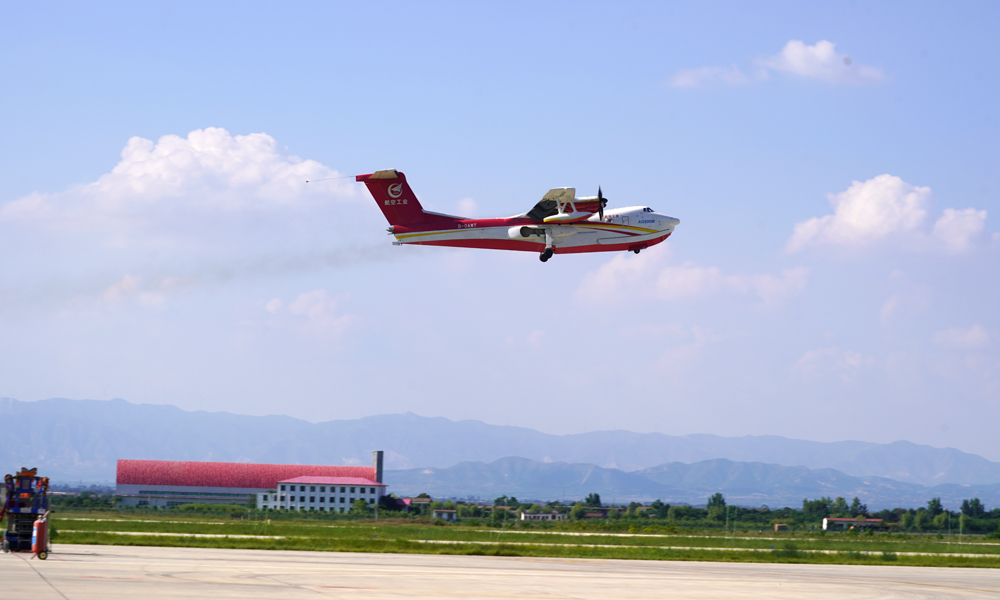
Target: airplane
560	223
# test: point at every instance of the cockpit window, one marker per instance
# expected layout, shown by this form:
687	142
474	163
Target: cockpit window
647	209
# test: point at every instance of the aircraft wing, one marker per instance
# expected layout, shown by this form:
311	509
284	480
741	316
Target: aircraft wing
549	204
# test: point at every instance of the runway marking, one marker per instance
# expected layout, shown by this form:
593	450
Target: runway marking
705	548
169	534
741	538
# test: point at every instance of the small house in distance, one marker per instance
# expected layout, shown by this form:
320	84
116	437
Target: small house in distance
833	523
542	517
445	514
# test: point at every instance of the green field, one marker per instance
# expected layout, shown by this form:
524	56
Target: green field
289	532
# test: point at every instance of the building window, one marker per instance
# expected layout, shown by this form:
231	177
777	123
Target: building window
282	488
282	498
352	500
302	488
312	488
322	488
341	501
302	498
322	499
312	498
373	490
352	490
371	501
341	508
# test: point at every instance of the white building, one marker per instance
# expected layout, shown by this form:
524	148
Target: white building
542	517
325	494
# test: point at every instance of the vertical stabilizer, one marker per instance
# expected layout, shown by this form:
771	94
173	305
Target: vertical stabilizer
398	202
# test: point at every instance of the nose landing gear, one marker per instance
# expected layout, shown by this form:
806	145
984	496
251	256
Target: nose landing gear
545	255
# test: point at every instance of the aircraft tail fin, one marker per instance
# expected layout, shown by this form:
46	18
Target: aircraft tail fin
398	202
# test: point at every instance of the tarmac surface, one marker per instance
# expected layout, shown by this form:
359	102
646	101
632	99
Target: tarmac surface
82	572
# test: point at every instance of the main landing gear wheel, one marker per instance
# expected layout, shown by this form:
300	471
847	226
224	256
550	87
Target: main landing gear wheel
637	250
546	255
43	555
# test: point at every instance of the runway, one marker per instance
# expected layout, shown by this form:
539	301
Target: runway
77	572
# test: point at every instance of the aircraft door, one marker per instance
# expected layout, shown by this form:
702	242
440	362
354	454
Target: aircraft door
625	221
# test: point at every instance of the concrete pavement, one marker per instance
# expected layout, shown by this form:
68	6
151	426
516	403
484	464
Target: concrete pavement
79	572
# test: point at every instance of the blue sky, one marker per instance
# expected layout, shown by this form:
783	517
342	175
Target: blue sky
834	168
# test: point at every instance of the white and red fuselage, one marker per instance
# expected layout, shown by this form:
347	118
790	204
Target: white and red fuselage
560	223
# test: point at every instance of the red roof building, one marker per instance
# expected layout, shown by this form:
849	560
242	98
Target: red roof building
219	474
167	483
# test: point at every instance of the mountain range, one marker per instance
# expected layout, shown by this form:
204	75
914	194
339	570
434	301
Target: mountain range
81	440
742	483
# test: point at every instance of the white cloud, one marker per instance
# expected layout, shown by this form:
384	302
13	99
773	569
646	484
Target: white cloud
648	276
178	180
820	61
959	229
536	338
467	207
318	309
973	338
135	289
274	305
888	208
832	362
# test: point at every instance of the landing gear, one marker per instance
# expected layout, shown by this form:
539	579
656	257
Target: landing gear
547	254
637	250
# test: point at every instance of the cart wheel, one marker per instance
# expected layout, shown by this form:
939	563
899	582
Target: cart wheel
43	555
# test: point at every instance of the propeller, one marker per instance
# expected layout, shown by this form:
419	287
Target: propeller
601	202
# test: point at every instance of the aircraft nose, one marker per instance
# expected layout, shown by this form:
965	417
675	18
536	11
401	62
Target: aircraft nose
671	222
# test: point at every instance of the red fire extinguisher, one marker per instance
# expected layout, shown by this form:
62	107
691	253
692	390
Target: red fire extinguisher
40	537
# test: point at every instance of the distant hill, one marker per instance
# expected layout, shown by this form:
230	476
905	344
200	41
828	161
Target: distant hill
81	440
743	484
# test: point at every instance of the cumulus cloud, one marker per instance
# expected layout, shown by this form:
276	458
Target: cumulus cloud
887	208
957	338
467	207
958	229
820	61
650	276
832	362
317	309
135	290
177	179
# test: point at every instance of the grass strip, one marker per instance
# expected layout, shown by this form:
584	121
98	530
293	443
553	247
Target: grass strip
402	546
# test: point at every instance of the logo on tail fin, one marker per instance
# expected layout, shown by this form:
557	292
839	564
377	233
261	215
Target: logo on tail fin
396	190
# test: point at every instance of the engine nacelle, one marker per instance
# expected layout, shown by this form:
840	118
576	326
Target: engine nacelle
525	232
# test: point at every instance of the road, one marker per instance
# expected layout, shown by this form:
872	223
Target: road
107	572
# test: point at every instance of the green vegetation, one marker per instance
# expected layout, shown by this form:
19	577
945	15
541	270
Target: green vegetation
720	531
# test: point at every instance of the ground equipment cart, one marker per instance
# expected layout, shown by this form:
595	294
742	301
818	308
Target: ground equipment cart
27	503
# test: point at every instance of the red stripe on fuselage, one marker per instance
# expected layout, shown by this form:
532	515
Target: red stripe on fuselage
538	247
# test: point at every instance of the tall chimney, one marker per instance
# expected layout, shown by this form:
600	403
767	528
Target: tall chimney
377	465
